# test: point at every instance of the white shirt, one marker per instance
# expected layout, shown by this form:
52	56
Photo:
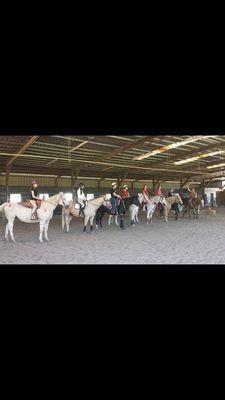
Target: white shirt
81	195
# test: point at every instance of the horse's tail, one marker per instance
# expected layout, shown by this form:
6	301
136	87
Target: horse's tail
2	210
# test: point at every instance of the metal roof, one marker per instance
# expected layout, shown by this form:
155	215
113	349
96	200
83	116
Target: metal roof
114	155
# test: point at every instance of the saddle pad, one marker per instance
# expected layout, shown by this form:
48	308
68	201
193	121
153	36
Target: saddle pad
26	204
77	206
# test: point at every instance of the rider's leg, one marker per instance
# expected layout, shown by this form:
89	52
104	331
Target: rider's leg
82	206
113	202
34	212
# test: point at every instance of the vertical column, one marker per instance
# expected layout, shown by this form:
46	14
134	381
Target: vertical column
153	183
181	184
132	187
8	170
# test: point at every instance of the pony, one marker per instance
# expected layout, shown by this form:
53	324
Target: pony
44	213
89	212
133	210
195	205
151	204
124	206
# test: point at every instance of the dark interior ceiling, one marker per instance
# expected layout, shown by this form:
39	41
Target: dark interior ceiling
113	155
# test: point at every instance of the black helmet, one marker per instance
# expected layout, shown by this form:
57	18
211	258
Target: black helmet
81	184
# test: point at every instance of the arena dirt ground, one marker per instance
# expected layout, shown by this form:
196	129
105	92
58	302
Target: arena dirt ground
185	241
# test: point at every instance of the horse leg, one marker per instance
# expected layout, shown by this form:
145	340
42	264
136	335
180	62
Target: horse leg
10	227
116	220
42	226
63	220
7	232
86	219
46	230
91	223
121	222
166	215
68	223
110	219
137	220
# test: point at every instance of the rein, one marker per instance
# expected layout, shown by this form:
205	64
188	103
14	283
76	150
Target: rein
55	205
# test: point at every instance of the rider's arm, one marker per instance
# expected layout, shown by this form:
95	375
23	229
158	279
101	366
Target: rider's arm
33	196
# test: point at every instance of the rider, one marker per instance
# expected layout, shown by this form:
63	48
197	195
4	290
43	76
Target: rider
158	192
34	195
193	194
114	198
124	192
145	195
81	198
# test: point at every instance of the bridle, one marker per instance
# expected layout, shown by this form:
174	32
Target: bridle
104	203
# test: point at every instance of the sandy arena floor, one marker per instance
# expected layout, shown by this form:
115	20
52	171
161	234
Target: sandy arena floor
183	242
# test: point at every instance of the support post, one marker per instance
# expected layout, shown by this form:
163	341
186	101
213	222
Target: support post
153	183
56	181
8	170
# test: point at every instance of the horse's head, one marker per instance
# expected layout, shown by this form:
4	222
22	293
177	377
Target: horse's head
178	198
163	201
62	200
107	201
140	198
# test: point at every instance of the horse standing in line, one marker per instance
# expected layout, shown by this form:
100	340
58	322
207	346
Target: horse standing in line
23	213
124	206
195	205
170	201
151	204
133	210
89	212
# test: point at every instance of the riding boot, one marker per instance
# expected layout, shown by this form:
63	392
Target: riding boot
82	212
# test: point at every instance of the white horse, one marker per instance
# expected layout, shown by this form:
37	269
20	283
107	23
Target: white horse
44	213
133	210
151	206
90	210
169	202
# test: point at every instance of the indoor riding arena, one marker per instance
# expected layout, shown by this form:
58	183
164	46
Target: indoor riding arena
173	211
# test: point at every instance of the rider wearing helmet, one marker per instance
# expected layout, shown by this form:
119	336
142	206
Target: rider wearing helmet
124	192
114	198
34	195
81	198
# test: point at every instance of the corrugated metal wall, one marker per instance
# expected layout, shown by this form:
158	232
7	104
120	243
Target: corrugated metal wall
21	184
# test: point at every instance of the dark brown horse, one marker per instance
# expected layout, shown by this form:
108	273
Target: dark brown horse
194	205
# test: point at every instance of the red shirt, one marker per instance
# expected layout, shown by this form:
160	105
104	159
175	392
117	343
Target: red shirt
158	192
145	191
123	193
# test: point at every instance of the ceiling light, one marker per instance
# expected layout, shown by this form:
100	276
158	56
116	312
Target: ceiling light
216	166
188	160
172	146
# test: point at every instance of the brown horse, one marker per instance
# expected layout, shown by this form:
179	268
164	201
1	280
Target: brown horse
195	205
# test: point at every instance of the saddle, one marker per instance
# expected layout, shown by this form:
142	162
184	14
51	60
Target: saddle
28	203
